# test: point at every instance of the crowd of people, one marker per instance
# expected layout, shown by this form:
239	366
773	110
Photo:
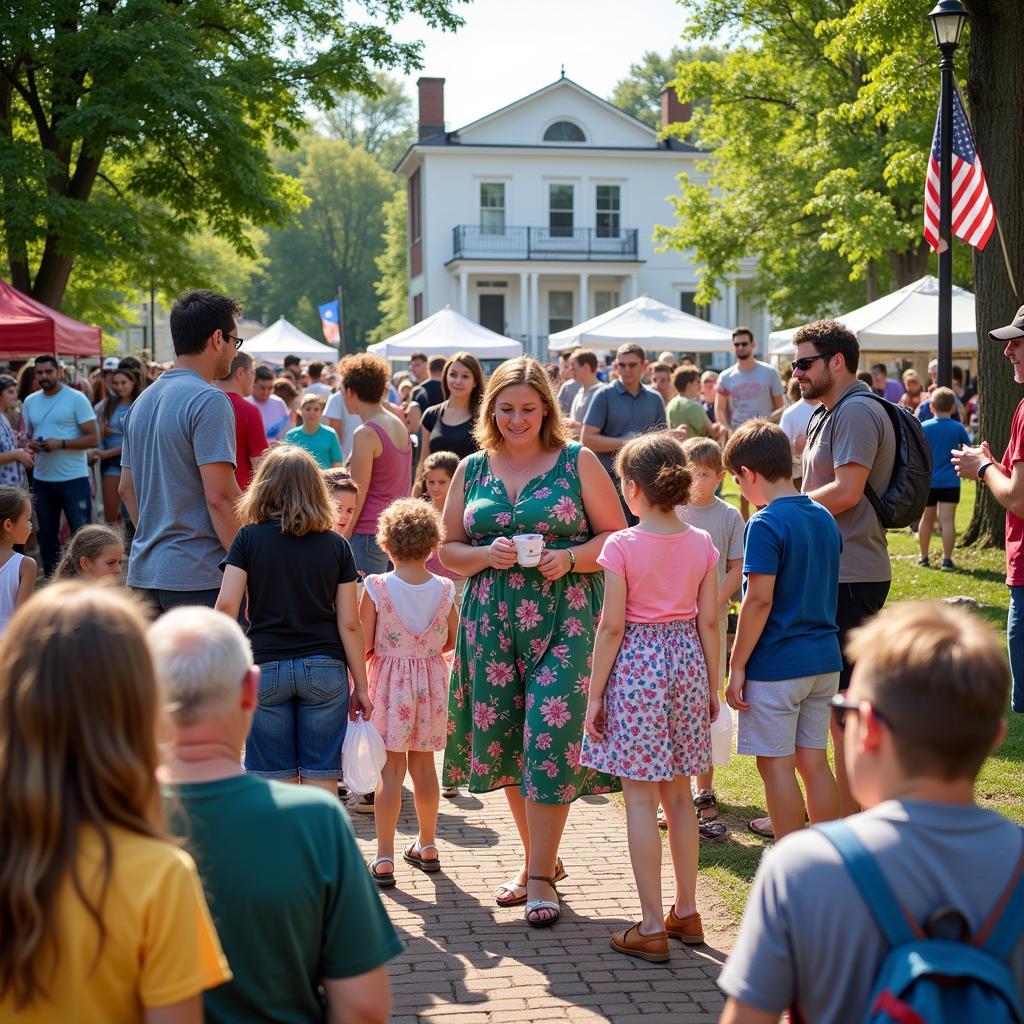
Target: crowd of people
530	571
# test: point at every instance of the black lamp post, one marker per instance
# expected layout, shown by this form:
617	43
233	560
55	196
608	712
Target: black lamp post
947	17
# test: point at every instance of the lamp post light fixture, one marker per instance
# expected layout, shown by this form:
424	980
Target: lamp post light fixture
947	18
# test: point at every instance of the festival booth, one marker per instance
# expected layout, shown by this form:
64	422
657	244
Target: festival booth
649	323
28	328
444	333
903	323
282	339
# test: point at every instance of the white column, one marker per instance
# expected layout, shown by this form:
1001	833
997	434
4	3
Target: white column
534	344
463	293
524	304
634	286
584	296
766	328
731	310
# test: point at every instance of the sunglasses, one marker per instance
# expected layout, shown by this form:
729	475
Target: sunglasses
804	364
841	707
742	344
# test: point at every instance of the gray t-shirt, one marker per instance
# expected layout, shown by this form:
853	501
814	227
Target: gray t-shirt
750	392
581	401
617	413
179	423
859	431
725	525
807	937
566	393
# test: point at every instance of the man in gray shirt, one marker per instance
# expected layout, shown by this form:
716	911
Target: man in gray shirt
178	460
584	373
923	711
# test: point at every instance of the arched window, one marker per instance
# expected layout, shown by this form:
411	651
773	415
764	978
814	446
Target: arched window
564	131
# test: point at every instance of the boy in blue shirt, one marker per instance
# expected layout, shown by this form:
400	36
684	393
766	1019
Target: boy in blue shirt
321	442
785	659
943	434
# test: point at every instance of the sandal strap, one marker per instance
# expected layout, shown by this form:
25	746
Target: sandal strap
705	798
429	846
382	860
534	905
550	879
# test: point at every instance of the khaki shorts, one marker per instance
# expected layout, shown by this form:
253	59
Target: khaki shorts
785	714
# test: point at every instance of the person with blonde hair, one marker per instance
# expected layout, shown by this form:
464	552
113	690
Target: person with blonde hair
93	553
526	632
102	917
300	579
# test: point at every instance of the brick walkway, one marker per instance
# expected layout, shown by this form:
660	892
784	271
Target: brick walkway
471	962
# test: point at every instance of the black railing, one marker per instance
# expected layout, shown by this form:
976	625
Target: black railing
471	241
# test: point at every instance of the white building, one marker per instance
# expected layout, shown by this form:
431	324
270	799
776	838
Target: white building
541	215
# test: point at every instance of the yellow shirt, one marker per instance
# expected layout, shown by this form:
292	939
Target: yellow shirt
160	947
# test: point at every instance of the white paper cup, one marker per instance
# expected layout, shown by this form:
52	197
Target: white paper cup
529	547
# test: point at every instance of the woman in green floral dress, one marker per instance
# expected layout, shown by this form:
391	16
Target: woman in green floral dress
522	660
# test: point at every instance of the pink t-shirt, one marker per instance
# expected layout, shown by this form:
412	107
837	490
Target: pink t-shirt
663	571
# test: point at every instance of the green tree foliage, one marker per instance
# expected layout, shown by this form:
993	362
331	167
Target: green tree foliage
381	122
392	286
127	127
820	120
333	242
639	93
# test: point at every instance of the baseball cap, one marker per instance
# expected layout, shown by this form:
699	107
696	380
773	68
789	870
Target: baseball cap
1010	331
111	363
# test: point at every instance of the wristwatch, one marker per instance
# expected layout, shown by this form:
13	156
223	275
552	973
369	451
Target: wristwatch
981	470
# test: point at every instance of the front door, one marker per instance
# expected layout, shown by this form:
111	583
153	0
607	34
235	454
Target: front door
492	313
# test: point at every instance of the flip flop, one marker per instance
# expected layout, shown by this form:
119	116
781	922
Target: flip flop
384	879
412	856
519	891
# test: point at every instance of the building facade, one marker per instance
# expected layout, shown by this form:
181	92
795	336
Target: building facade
542	214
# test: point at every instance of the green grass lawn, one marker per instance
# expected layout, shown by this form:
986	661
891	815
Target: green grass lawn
727	868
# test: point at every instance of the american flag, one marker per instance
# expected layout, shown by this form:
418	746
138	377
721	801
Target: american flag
973	215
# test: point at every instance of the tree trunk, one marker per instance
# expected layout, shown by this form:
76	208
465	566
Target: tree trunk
995	93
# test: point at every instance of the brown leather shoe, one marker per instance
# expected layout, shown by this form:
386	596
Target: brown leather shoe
688	928
647	947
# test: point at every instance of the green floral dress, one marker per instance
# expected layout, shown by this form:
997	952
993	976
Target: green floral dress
518	695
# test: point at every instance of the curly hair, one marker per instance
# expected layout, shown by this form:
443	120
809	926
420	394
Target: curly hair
365	375
521	370
657	465
409	530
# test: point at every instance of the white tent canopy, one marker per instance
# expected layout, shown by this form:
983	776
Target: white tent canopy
651	324
282	339
904	321
445	333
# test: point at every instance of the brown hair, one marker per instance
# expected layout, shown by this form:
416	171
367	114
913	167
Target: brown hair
655	463
338	479
521	370
87	542
743	330
471	363
943	400
113	400
314	369
447	462
13	501
409	530
285	390
938	677
586	357
79	704
831	336
685	376
365	375
290	486
761	446
660	367
703	452
631	348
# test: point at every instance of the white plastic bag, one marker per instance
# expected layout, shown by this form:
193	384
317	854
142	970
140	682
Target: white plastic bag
721	736
362	756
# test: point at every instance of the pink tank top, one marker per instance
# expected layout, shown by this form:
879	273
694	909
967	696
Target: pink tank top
390	478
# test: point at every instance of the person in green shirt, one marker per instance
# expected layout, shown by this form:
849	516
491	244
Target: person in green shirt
684	410
321	442
298	916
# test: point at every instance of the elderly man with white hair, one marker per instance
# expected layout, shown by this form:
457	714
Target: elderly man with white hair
296	911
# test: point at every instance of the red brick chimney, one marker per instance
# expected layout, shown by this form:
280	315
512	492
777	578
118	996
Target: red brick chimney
431	107
672	109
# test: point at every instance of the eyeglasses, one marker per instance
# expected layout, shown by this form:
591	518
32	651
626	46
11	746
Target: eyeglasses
840	707
230	337
804	364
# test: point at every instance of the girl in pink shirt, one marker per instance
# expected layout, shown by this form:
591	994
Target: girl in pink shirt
650	708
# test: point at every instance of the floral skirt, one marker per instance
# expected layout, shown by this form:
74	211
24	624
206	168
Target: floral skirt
656	706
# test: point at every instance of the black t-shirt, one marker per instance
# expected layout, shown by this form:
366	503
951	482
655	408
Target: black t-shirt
443	438
292	583
427	394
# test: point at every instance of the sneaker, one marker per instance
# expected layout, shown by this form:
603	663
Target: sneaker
947	565
923	560
365	805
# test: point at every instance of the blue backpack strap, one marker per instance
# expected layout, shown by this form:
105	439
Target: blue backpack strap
876	892
1002	930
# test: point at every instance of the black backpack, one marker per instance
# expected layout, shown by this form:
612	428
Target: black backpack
904	499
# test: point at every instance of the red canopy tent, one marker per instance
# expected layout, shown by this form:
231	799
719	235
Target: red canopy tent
28	328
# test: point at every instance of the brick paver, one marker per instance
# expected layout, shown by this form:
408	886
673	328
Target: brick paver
469	961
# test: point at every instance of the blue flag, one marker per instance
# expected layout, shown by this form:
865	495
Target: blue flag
330	321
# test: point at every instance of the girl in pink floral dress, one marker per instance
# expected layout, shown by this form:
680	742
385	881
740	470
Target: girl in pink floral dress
409	620
650	707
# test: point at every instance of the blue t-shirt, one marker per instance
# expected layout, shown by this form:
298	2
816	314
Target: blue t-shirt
796	540
60	416
323	445
943	435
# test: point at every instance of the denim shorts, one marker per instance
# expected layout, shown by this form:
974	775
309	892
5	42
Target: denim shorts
369	557
300	720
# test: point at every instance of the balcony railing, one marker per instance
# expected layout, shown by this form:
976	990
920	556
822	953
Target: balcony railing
471	241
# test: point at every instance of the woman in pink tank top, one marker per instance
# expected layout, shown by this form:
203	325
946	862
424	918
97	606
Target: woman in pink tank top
381	463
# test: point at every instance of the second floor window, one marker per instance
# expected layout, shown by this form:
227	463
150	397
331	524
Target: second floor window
492	208
607	211
560	211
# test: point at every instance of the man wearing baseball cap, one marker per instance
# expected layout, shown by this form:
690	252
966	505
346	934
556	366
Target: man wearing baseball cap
1005	479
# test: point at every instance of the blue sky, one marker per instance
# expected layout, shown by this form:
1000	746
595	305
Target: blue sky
508	48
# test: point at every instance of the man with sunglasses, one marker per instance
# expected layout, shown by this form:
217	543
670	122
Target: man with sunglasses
178	460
